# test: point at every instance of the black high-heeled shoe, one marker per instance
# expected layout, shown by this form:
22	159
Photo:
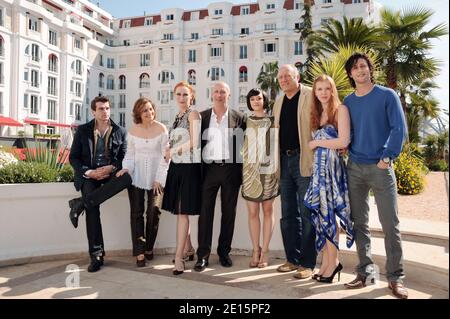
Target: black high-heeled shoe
316	276
329	280
176	271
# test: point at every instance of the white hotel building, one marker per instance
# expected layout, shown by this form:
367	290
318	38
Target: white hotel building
56	55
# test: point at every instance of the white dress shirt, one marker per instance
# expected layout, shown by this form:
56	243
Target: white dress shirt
217	147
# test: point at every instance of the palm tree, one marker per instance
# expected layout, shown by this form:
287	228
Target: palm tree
334	66
306	31
407	45
268	81
353	32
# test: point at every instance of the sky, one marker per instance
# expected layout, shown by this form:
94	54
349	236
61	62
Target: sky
440	7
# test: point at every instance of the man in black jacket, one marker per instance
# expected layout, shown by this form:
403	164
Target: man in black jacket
222	138
97	152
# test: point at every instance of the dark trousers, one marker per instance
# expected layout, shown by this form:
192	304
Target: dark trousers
227	177
94	193
296	228
143	235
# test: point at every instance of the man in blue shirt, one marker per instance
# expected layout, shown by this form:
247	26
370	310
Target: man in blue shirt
378	130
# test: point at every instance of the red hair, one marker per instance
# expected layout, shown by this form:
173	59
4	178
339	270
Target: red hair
333	104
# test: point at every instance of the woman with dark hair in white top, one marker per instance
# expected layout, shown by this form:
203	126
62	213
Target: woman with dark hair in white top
145	162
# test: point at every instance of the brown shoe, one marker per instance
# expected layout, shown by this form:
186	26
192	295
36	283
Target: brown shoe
287	267
398	290
358	282
303	273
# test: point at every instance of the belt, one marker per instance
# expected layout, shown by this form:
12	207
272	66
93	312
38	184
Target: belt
219	162
291	152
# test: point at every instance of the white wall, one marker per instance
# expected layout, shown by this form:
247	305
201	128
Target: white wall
34	221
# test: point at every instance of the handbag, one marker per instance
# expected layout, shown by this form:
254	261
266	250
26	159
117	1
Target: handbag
159	199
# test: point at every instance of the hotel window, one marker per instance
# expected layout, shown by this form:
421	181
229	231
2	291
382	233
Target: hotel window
51	110
122	82
326	1
270	47
100	60
270	26
109	42
77	43
122	101
168	36
216	52
110	82
1	103
2	46
270	6
145	59
101	80
78	89
110	63
35	53
217	31
242	95
78	67
52	37
33	24
195	15
1	16
51	90
165	77
298	48
127	24
194	36
35	78
215	74
148	21
245	31
1	73
164	96
243	74
78	112
192	77
144	81
122	119
245	11
169	17
356	1
34	106
192	58
243	52
126	43
218	12
299	6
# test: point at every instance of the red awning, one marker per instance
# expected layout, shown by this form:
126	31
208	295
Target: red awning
30	121
7	121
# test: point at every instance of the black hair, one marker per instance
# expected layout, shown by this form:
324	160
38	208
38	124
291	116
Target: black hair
255	92
352	61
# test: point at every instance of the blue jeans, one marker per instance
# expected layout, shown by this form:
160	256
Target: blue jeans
296	228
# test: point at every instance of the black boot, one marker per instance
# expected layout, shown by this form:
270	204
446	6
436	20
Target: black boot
96	264
76	209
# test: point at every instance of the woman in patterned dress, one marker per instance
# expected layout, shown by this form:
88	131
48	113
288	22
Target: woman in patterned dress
327	194
260	183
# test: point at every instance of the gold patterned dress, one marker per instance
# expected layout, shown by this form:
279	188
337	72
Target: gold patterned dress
260	178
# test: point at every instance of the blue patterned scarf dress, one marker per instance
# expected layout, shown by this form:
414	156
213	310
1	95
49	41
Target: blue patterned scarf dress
327	194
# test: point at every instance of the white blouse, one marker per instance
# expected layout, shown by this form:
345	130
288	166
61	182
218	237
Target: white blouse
145	161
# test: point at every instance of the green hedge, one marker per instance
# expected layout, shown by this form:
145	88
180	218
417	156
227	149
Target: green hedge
31	172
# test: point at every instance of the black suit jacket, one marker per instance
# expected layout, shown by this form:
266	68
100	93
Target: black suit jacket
81	152
236	120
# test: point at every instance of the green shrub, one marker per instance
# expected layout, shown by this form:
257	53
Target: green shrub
65	174
438	166
26	172
410	172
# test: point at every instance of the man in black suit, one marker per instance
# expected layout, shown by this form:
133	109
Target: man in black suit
97	152
222	137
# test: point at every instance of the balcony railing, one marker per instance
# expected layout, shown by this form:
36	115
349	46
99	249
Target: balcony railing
144	85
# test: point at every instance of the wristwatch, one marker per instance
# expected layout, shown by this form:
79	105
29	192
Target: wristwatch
387	160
